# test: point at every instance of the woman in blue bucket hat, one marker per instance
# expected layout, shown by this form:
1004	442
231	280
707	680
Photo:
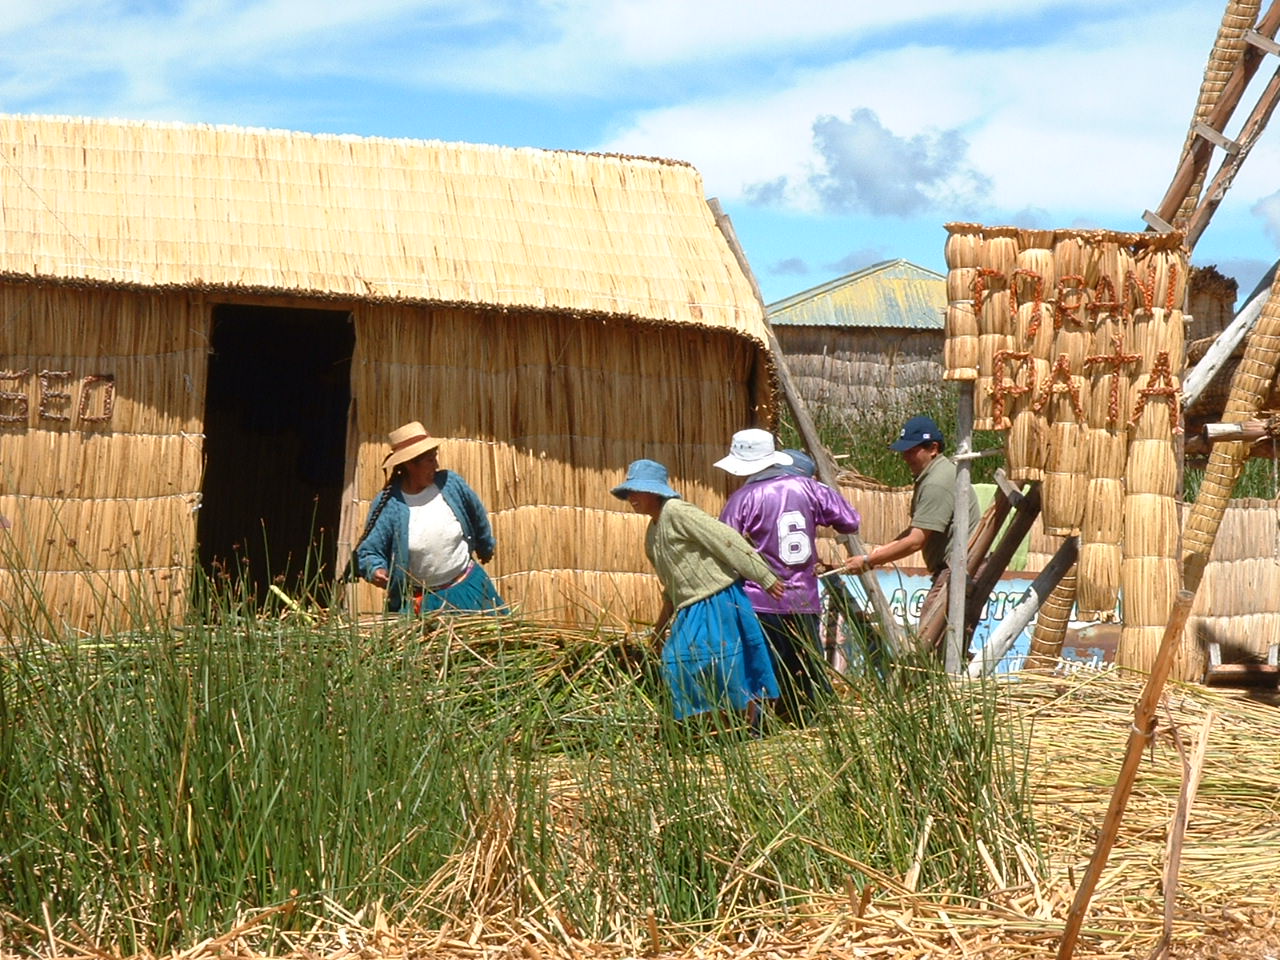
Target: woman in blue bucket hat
715	656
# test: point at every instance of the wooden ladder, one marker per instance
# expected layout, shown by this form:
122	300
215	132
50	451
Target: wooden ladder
1209	134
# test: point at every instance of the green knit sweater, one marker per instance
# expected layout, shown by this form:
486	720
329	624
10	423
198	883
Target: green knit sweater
695	555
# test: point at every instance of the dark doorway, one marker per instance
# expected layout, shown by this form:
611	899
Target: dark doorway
275	439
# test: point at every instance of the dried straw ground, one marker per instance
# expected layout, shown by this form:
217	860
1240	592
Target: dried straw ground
1228	893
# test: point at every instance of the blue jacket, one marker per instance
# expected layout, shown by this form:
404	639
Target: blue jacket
387	545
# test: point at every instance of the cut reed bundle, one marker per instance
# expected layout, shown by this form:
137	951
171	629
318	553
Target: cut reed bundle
1098	586
960	350
1033	328
1051	623
1066	464
960	282
964	245
1027	446
1152	468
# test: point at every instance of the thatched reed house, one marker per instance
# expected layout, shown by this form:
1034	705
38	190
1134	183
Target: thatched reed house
872	338
207	333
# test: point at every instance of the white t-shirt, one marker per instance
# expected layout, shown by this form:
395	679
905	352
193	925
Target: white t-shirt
438	553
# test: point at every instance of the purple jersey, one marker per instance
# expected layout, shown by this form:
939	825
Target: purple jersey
781	516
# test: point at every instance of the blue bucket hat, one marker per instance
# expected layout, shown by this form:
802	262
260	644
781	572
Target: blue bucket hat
916	431
645	476
802	464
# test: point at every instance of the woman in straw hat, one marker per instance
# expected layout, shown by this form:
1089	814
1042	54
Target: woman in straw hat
423	530
715	655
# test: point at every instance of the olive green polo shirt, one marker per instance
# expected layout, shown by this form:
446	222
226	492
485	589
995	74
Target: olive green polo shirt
933	507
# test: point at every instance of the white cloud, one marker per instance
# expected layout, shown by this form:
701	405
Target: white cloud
1076	124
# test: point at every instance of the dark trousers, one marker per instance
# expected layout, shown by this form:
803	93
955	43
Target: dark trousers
797	663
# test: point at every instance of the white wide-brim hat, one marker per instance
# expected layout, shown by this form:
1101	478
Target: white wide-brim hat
752	451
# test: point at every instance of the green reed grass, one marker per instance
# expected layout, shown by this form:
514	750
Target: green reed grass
156	785
861	438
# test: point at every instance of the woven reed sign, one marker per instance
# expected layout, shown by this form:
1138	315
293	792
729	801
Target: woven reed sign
93	399
1075	343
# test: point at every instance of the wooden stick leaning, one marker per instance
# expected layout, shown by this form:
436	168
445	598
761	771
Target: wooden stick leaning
821	455
1222	348
1139	736
953	654
1192	768
1002	637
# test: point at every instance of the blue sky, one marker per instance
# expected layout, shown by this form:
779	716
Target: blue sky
835	133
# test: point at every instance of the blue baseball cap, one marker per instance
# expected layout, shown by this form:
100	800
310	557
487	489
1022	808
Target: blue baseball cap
802	464
645	476
916	431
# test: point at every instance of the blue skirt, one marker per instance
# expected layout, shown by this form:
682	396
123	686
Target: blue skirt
716	656
474	592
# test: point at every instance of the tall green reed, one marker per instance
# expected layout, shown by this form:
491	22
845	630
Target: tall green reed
157	784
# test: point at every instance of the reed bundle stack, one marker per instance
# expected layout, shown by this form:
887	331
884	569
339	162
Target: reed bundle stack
1095	328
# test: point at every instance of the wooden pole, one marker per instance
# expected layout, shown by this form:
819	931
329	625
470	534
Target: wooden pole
1232	163
1144	721
822	458
1223	346
933	617
996	562
1197	159
954	654
1002	637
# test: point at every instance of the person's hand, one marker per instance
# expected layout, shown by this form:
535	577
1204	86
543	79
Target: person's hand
856	565
380	578
777	590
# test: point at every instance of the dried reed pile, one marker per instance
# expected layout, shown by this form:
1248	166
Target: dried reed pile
1228	888
1087	384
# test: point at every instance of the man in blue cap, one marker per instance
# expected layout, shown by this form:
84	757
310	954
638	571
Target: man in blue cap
932	502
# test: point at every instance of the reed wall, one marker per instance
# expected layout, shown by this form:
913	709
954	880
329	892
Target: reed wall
542	414
101	401
856	368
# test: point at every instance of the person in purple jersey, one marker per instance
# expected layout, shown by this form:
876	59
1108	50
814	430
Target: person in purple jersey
779	509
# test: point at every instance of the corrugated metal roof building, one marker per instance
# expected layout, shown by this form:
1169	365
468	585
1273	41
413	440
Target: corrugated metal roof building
870	338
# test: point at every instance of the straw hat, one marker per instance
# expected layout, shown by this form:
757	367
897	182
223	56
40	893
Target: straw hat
750	452
408	442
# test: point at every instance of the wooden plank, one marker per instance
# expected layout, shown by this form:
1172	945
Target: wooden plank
1202	129
1265	44
1220	351
1198	157
1231	165
808	430
1002	637
1155	222
1140	734
993	566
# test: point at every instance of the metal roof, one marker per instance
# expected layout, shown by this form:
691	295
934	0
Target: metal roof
893	293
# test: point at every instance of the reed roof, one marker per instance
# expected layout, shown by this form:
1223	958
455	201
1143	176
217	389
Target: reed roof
152	205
